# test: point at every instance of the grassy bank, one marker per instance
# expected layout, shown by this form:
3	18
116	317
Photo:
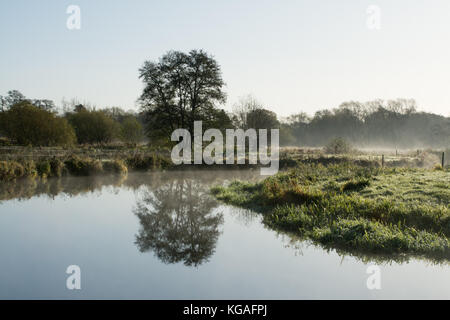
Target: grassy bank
362	210
18	162
77	166
11	170
74	165
21	162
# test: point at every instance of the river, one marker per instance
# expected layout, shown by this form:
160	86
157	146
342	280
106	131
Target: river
162	236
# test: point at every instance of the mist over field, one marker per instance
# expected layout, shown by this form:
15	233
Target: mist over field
394	124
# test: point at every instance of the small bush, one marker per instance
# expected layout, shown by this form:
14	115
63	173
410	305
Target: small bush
57	167
137	162
75	166
10	170
140	162
43	168
83	167
338	146
30	168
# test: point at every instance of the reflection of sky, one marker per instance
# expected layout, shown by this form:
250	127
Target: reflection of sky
39	238
294	56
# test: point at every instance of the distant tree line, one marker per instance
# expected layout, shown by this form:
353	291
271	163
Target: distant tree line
36	123
378	123
181	88
14	96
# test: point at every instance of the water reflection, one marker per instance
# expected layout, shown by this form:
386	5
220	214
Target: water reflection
73	186
177	216
68	186
178	222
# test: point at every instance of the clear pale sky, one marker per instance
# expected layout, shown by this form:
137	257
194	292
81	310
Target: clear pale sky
291	55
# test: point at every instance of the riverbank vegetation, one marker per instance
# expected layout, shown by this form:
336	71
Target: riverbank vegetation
72	164
19	162
12	170
384	212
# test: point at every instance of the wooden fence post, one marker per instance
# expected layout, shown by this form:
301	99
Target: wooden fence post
443	159
382	161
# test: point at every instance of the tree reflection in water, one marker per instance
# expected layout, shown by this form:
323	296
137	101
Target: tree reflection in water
178	222
178	219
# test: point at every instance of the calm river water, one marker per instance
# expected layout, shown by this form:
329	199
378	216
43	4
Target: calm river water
162	236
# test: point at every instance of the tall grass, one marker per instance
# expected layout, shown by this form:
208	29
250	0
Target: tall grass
78	166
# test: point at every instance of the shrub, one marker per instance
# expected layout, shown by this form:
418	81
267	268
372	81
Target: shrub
57	167
338	146
83	167
155	161
93	126
29	125
131	130
30	168
10	170
43	168
137	162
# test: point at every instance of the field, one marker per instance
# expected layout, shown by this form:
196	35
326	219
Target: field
364	210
